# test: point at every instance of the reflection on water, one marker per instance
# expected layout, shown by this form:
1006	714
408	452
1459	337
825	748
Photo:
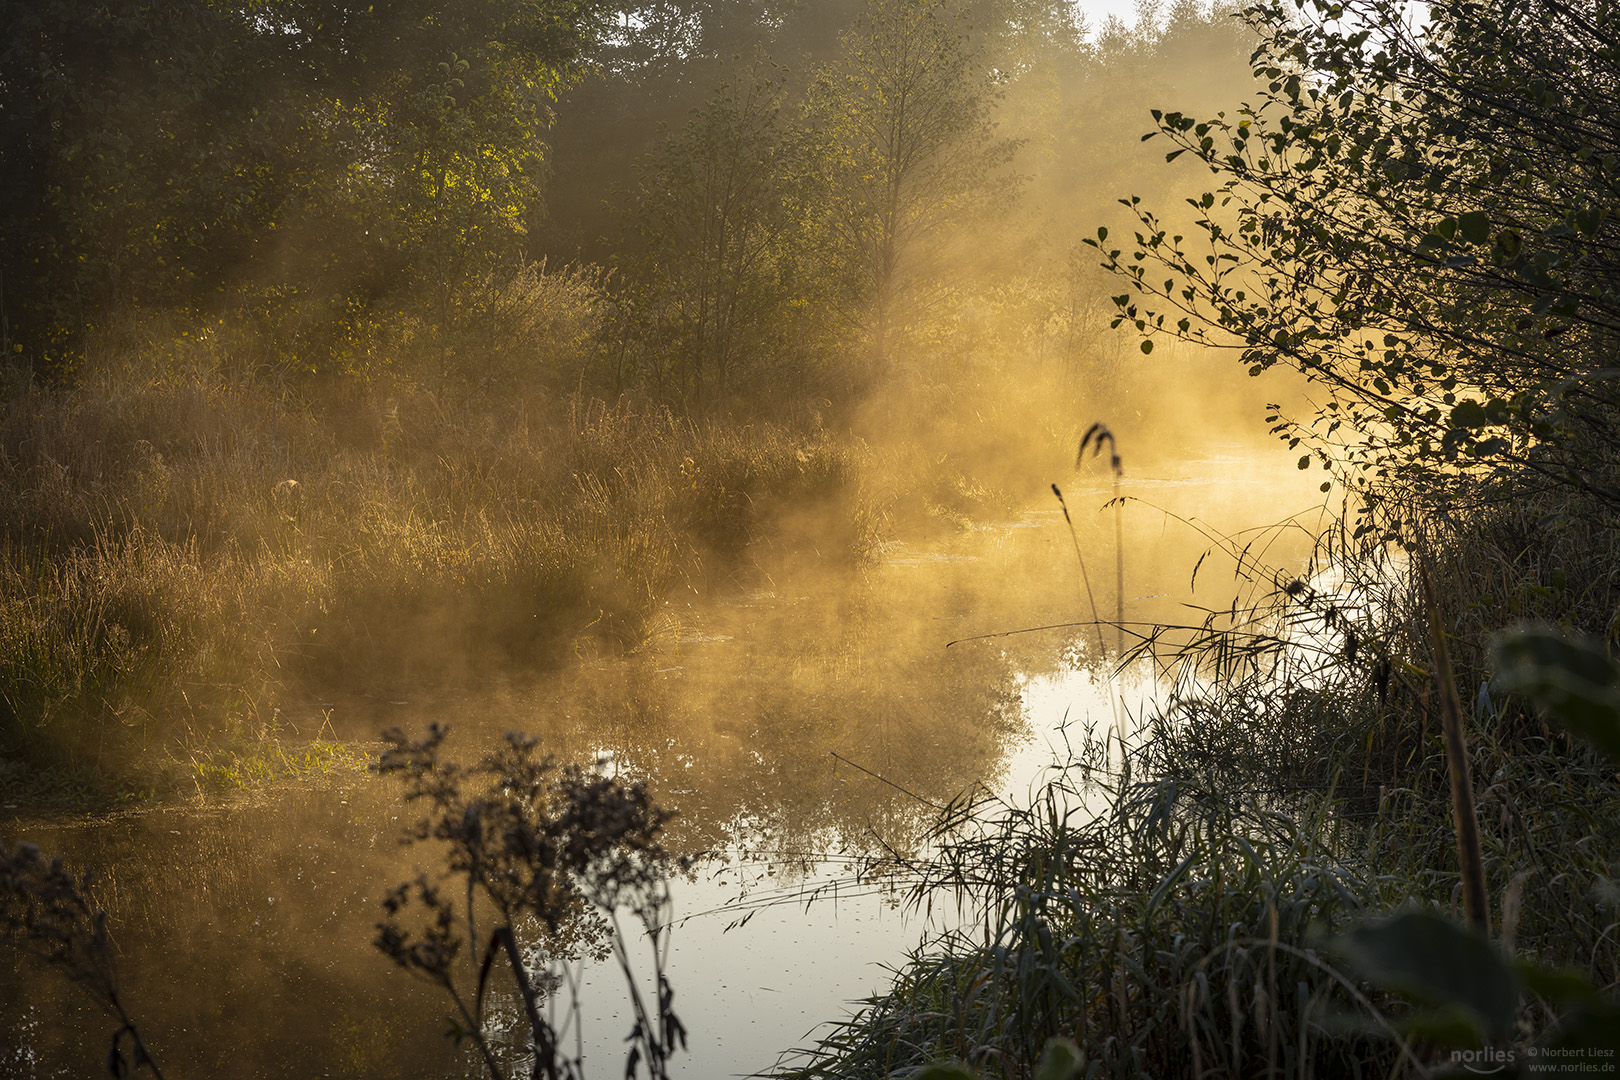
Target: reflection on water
789	723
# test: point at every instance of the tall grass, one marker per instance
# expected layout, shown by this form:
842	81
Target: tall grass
221	518
1175	935
191	543
1294	782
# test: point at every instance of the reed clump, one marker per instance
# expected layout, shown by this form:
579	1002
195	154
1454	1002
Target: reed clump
197	547
1175	935
1177	901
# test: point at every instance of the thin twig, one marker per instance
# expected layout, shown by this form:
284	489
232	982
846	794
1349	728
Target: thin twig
1085	577
886	780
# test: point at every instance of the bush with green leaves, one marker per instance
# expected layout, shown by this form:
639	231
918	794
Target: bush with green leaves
1416	212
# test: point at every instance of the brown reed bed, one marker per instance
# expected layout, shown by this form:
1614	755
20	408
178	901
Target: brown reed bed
188	548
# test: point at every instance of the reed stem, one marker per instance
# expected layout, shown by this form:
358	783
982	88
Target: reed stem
1470	858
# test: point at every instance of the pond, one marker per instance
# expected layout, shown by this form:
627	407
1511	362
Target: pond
804	718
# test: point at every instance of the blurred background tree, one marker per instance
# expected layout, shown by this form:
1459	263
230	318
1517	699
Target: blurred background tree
294	158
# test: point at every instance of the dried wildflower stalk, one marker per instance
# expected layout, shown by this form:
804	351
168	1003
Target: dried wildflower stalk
564	847
47	912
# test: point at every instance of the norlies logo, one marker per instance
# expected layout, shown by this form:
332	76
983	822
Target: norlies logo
1536	1060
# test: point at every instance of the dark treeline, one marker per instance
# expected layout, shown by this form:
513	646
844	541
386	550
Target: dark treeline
780	187
298	164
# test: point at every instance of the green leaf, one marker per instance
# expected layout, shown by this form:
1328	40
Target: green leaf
1437	963
946	1070
1571	677
1475	226
1468	414
1559	987
1589	1039
1061	1059
1147	346
1167	884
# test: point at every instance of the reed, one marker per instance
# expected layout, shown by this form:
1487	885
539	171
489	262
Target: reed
190	548
1310	770
1175	935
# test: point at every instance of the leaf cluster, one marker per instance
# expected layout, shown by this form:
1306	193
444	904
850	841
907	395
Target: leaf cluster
1470	993
1417	218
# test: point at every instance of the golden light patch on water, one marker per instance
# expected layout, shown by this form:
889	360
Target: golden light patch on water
794	722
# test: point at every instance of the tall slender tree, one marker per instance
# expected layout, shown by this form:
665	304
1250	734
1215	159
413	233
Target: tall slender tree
715	215
908	119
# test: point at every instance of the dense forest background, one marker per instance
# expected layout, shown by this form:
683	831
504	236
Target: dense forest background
371	190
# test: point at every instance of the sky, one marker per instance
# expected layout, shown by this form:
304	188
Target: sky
1097	11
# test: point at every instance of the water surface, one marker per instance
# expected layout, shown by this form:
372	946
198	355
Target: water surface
794	722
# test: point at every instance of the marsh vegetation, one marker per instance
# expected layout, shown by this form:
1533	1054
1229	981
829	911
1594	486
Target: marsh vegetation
602	369
358	406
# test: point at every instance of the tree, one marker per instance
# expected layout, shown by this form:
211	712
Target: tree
727	268
136	164
910	135
186	153
662	61
1420	219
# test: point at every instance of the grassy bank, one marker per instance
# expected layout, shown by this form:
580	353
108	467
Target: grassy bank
1293	787
188	549
199	550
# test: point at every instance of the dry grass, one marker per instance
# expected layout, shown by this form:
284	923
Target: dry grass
188	543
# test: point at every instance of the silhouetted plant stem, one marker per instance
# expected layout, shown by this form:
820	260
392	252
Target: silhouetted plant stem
47	911
475	1029
1470	859
1093	439
558	843
545	1045
1119	566
141	1055
1090	597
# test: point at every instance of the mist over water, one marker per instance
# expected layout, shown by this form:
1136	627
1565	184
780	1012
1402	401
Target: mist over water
816	499
695	387
793	720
